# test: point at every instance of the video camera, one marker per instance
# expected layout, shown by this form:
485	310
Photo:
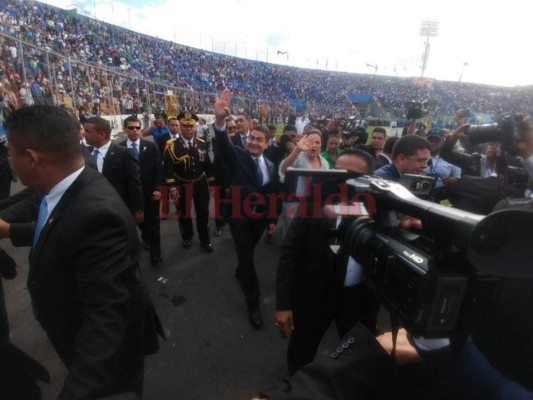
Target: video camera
438	281
508	130
416	109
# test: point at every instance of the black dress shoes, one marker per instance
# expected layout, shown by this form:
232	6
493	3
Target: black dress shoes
218	231
156	261
187	243
146	245
208	247
254	316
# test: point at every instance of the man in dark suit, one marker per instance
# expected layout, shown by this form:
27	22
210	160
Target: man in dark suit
117	164
84	277
173	133
252	176
149	158
243	124
315	284
385	158
189	171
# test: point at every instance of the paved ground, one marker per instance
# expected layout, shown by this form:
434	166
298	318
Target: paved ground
212	352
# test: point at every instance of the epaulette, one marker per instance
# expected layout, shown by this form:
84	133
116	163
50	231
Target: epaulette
200	140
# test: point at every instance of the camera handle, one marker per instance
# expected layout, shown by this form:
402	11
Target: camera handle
501	171
395	327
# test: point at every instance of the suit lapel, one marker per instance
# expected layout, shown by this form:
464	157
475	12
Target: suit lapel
110	155
271	169
55	216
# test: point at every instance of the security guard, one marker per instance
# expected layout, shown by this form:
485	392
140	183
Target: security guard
188	172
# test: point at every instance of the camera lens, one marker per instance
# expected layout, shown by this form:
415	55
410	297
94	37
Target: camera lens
478	134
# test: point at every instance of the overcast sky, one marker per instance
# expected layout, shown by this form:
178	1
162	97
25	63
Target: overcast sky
484	43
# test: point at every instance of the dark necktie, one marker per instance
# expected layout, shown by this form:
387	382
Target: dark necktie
244	141
135	150
43	212
259	172
95	154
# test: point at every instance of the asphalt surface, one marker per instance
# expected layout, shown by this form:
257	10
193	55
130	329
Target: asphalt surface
211	352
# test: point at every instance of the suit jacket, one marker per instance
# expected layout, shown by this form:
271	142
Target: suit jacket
381	161
161	141
362	370
244	182
389	172
89	160
150	167
86	291
237	140
121	169
307	269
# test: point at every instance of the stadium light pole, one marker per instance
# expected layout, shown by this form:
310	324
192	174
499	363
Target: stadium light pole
429	28
465	64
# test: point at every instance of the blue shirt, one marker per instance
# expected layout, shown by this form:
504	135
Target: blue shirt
156	132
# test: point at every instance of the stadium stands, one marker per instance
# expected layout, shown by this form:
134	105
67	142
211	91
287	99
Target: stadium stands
68	58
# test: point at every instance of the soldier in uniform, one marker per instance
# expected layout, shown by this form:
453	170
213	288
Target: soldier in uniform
188	172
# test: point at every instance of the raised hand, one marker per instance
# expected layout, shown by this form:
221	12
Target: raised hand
223	103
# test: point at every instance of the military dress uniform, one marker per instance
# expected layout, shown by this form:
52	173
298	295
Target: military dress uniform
189	168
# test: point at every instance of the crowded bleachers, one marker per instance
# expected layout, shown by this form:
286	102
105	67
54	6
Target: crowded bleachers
69	58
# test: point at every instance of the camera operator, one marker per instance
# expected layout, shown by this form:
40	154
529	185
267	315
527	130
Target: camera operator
479	189
444	172
410	155
316	286
471	164
347	140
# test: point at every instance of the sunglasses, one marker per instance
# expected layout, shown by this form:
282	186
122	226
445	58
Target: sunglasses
133	127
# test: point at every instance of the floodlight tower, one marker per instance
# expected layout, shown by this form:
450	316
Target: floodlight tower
429	28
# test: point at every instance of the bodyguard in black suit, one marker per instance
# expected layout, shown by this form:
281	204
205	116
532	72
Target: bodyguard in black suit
252	176
84	277
317	284
173	133
149	158
117	164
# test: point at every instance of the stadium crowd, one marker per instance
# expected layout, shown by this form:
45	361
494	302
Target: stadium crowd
92	61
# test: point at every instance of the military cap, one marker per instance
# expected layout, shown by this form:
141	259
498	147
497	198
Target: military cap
187	118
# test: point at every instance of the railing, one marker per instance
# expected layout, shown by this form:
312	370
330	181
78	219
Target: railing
53	78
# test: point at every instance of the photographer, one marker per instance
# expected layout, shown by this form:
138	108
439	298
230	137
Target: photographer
486	179
444	172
